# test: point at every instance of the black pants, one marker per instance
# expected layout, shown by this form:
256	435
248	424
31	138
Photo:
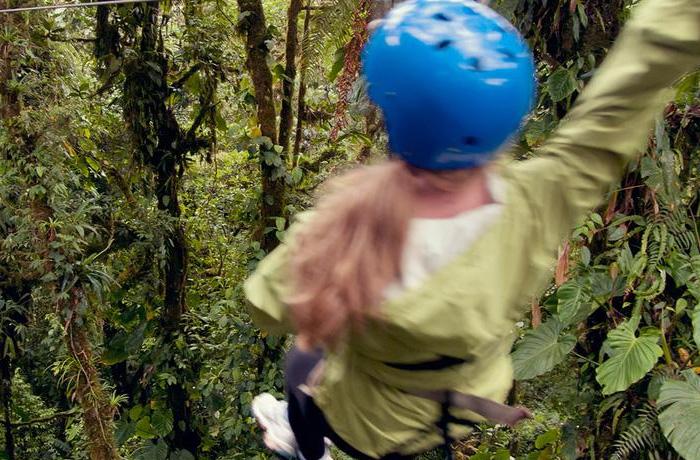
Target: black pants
307	420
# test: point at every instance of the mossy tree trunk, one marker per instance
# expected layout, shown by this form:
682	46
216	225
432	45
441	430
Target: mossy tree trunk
254	28
9	104
97	412
290	73
301	97
163	146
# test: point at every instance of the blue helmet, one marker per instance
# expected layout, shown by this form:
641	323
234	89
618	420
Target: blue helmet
454	80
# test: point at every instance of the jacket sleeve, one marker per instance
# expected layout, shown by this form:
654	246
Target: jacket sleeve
265	290
612	118
269	285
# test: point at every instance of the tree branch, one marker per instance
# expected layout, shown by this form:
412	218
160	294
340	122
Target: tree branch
56	38
190	137
48	418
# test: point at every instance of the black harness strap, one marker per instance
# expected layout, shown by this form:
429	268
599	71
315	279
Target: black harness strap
490	410
441	363
444	426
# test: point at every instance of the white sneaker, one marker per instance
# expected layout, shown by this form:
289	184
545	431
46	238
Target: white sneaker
272	417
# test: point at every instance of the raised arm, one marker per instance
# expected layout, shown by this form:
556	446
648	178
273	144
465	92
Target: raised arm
611	121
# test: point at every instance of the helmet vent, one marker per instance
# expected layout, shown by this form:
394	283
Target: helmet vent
507	53
470	140
441	17
443	44
475	64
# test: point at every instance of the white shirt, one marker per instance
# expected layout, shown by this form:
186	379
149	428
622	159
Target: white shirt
433	243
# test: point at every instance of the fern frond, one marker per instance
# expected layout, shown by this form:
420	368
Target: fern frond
642	434
330	29
654	244
680	227
657	248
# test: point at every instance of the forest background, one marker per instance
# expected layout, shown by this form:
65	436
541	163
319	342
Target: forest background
151	154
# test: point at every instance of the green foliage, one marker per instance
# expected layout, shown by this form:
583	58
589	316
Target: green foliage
152	451
631	356
330	31
36	441
679	402
641	434
123	345
696	325
547	445
541	349
561	84
573	300
632	285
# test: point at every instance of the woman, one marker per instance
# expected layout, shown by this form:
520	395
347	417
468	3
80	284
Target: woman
409	276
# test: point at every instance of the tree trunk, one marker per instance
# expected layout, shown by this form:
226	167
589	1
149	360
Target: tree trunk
301	102
254	27
167	162
167	181
162	145
9	104
145	100
106	43
184	434
98	414
290	72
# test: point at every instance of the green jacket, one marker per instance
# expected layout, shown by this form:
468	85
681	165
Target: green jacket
468	309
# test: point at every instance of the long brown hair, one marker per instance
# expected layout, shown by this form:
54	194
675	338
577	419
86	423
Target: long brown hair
351	250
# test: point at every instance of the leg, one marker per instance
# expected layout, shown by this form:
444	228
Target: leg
307	421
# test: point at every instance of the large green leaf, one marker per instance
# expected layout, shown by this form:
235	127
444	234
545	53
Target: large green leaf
339	61
124	430
631	357
561	84
152	451
181	454
680	402
541	349
572	297
116	351
122	345
144	429
162	421
687	88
